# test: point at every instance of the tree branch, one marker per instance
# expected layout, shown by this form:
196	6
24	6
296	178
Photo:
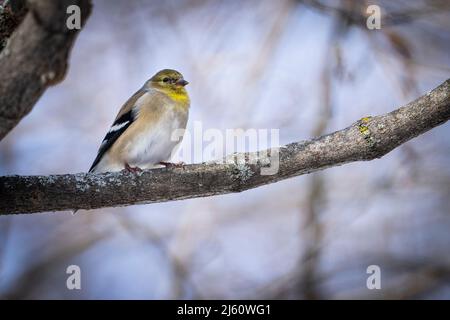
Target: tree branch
366	139
11	15
35	56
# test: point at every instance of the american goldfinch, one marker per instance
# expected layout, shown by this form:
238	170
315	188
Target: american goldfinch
142	133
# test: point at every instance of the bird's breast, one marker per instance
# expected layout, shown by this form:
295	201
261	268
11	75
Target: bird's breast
157	141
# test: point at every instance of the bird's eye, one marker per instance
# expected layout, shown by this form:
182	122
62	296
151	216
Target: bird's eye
166	80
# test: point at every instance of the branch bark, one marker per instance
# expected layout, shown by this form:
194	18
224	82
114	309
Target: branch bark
35	56
366	139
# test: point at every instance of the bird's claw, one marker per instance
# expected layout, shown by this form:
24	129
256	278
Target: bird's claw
172	165
132	169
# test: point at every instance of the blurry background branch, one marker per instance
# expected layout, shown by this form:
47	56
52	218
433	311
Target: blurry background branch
34	47
366	139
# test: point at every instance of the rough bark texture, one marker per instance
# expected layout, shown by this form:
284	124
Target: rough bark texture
366	139
11	15
35	55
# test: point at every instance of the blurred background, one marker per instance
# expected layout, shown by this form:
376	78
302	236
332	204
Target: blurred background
303	67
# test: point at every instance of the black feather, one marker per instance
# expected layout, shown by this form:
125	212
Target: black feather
112	136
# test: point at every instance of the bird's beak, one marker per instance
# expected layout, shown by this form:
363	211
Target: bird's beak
182	82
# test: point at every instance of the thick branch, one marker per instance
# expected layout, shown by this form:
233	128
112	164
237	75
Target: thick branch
11	15
35	56
367	139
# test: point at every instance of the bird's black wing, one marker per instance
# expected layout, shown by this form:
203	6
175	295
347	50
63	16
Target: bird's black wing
119	126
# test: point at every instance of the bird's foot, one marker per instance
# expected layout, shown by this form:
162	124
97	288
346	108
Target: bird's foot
132	169
172	165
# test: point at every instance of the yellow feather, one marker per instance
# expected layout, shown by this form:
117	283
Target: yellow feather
181	97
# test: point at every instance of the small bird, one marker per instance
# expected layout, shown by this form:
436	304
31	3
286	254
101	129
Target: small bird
142	135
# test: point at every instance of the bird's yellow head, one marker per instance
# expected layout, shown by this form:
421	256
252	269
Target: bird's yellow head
172	83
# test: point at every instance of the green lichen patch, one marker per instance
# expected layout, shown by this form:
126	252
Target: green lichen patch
362	126
365	131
